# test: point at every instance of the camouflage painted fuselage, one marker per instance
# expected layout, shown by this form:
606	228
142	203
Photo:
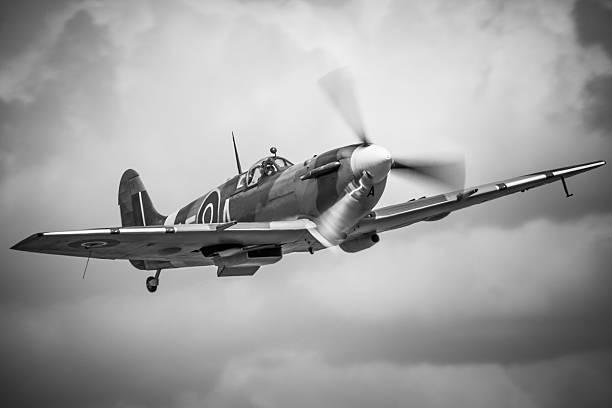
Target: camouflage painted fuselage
284	195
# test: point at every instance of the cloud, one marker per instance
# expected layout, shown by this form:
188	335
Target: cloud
593	21
307	380
564	382
22	24
455	307
60	98
499	304
303	379
150	58
516	109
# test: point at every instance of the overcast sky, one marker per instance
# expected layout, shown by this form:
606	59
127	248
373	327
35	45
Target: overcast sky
507	304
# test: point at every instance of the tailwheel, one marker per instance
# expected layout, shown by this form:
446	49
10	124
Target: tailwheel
153	282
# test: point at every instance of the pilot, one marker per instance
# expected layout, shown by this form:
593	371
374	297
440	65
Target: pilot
268	167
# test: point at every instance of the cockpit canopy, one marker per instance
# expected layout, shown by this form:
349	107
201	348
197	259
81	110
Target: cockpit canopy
264	167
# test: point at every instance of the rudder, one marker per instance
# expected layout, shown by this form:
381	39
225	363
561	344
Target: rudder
135	204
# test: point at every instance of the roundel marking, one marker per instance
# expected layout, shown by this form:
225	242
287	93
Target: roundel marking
208	214
209	210
99	243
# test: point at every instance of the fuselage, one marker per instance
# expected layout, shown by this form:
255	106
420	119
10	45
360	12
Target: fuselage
308	189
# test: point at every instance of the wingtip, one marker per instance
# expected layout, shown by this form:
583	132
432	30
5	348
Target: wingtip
597	164
23	244
593	164
18	246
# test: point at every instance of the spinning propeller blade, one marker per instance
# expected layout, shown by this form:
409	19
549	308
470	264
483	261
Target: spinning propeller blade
450	173
339	88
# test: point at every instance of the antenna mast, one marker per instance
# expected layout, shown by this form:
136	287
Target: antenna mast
236	153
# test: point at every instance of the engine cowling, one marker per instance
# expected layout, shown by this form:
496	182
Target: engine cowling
360	243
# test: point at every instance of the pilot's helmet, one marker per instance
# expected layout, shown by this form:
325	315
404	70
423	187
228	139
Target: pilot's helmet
269	167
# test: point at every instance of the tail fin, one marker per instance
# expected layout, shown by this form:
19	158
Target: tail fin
134	202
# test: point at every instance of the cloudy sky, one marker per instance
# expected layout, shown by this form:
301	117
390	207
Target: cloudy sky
507	304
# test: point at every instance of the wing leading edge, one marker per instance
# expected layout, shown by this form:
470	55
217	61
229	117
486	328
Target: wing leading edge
437	207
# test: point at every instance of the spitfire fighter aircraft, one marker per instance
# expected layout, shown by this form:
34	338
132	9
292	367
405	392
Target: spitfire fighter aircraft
277	207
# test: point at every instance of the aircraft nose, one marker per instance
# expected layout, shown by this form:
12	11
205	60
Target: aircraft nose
374	159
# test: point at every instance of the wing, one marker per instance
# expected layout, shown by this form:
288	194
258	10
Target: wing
437	207
172	246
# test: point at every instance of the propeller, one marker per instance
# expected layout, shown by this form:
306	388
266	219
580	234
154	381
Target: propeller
448	172
339	88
